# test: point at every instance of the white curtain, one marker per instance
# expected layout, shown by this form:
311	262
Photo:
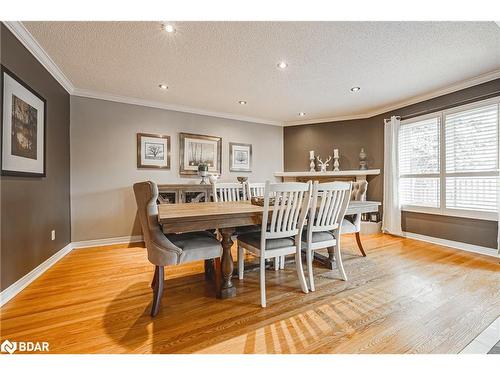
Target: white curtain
391	221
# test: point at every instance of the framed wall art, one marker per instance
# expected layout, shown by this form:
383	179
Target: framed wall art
196	149
153	151
24	115
240	157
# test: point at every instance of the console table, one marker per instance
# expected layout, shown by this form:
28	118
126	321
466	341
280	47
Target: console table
184	193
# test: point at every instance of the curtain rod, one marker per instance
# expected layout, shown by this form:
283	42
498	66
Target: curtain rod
443	107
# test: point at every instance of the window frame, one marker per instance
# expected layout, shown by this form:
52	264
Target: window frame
441	175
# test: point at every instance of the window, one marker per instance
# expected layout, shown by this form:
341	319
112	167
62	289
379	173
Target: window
449	161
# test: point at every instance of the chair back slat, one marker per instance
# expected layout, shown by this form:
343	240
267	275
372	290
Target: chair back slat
228	192
255	189
291	201
328	205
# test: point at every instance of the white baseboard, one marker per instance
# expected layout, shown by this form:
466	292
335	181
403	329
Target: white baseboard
7	294
457	245
106	241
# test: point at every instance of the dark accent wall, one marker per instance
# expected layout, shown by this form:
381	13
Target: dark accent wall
349	136
31	207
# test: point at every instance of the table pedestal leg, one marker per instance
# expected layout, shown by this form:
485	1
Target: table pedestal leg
227	289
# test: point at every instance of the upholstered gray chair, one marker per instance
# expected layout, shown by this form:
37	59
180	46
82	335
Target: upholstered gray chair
165	250
352	223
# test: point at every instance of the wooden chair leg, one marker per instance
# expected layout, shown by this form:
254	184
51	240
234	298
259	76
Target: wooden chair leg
209	269
360	246
158	290
155	276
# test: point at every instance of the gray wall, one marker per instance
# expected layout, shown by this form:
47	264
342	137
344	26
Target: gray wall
103	159
350	136
31	206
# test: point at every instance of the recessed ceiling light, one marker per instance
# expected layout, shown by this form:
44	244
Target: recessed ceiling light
282	65
302	113
169	28
163	86
355	89
242	102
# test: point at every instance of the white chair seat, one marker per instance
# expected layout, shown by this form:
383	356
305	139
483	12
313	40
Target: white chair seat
319	236
347	227
253	239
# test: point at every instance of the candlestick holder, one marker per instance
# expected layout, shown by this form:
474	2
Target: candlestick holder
312	165
336	164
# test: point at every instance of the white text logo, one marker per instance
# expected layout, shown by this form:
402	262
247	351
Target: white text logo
24	346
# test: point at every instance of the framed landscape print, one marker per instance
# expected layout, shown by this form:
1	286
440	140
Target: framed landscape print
23	128
198	149
240	157
153	151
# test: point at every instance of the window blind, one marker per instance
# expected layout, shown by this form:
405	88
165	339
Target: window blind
449	161
471	139
419	157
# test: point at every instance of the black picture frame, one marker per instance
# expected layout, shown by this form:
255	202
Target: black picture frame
5	70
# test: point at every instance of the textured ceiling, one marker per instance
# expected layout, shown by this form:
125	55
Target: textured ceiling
212	65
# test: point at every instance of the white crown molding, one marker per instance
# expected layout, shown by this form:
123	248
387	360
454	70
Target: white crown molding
25	37
414	100
171	107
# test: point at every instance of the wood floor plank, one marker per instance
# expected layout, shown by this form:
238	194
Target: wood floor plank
407	296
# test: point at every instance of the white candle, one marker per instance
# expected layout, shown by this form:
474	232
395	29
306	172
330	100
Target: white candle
311	154
336	153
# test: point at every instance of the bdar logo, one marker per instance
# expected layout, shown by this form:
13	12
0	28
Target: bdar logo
9	347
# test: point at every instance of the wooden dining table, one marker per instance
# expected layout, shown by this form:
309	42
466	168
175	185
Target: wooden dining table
226	217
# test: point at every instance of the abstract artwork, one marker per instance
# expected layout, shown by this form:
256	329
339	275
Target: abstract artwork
23	128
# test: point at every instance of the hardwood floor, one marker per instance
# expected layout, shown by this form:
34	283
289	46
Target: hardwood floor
405	297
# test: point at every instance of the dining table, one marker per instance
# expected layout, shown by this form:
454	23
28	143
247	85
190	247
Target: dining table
226	217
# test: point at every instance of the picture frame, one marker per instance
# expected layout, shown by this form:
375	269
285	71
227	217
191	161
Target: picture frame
195	149
240	157
153	151
23	115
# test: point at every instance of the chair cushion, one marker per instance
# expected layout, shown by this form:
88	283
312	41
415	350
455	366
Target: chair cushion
347	227
318	236
247	229
253	239
196	245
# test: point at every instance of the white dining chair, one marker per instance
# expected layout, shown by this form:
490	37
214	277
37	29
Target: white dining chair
329	203
228	192
255	189
352	223
282	234
233	192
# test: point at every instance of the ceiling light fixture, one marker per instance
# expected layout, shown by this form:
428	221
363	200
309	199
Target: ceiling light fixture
302	114
355	89
282	65
163	86
169	28
242	102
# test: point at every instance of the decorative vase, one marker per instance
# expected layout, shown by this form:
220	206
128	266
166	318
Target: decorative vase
362	159
203	173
